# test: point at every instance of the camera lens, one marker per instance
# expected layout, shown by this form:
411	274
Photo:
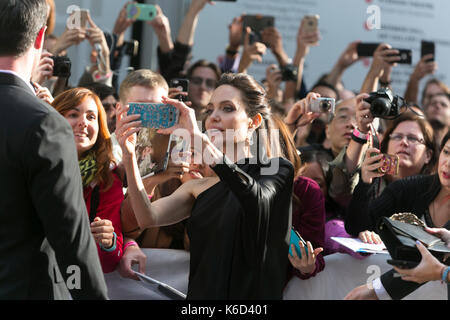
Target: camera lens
380	107
325	106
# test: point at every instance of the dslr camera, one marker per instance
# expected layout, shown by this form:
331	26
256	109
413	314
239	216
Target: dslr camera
289	72
384	104
61	66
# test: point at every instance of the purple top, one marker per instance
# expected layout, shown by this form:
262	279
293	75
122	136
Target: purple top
309	219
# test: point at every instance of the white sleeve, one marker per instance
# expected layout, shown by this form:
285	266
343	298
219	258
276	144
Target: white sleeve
380	291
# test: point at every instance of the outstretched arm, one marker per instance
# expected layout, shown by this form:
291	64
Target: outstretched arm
165	211
187	30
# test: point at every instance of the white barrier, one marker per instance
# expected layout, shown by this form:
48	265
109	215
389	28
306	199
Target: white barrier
342	273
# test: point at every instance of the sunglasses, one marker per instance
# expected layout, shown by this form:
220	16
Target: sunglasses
209	83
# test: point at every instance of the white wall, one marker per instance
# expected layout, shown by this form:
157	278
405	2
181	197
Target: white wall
403	24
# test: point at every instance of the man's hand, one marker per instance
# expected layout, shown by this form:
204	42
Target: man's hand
44	70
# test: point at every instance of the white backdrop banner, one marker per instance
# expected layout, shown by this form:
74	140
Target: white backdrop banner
401	23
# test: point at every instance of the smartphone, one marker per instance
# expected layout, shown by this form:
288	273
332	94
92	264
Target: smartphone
405	56
390	164
427	47
311	23
257	23
84	13
366	49
155	115
323	105
403	264
295	239
180	83
153	151
141	11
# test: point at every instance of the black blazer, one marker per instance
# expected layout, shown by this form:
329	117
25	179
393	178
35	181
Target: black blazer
41	198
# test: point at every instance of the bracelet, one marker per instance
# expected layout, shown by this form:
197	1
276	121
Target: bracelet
445	271
113	246
359	134
384	84
358	140
129	244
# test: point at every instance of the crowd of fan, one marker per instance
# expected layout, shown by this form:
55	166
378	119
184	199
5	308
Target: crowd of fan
337	181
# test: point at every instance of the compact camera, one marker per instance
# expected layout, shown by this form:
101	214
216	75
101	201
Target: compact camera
384	104
323	105
61	66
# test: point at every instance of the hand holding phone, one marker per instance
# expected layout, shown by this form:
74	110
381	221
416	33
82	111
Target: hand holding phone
84	18
368	49
141	11
182	84
295	239
311	24
427	47
155	115
257	24
389	165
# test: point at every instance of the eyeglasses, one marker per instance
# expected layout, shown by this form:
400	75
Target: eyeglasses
397	137
209	83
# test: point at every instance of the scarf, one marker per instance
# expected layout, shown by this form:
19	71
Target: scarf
88	169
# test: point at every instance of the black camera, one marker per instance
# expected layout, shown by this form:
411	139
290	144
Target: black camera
289	72
61	66
384	104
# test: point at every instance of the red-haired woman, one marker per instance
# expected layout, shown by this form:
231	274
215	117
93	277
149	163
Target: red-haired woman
102	186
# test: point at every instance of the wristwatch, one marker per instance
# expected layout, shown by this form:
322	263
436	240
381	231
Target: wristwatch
445	272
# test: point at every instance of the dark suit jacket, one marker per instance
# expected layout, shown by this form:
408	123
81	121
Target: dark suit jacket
41	198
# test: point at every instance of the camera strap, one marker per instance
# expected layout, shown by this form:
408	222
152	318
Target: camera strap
375	139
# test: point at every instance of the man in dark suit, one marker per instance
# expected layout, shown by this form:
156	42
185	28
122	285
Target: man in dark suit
43	217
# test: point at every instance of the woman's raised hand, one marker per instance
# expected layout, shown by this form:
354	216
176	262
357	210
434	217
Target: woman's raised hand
126	128
186	119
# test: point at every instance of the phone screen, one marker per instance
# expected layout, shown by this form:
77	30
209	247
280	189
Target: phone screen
153	151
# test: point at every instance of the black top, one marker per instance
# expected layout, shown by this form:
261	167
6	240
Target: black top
239	233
